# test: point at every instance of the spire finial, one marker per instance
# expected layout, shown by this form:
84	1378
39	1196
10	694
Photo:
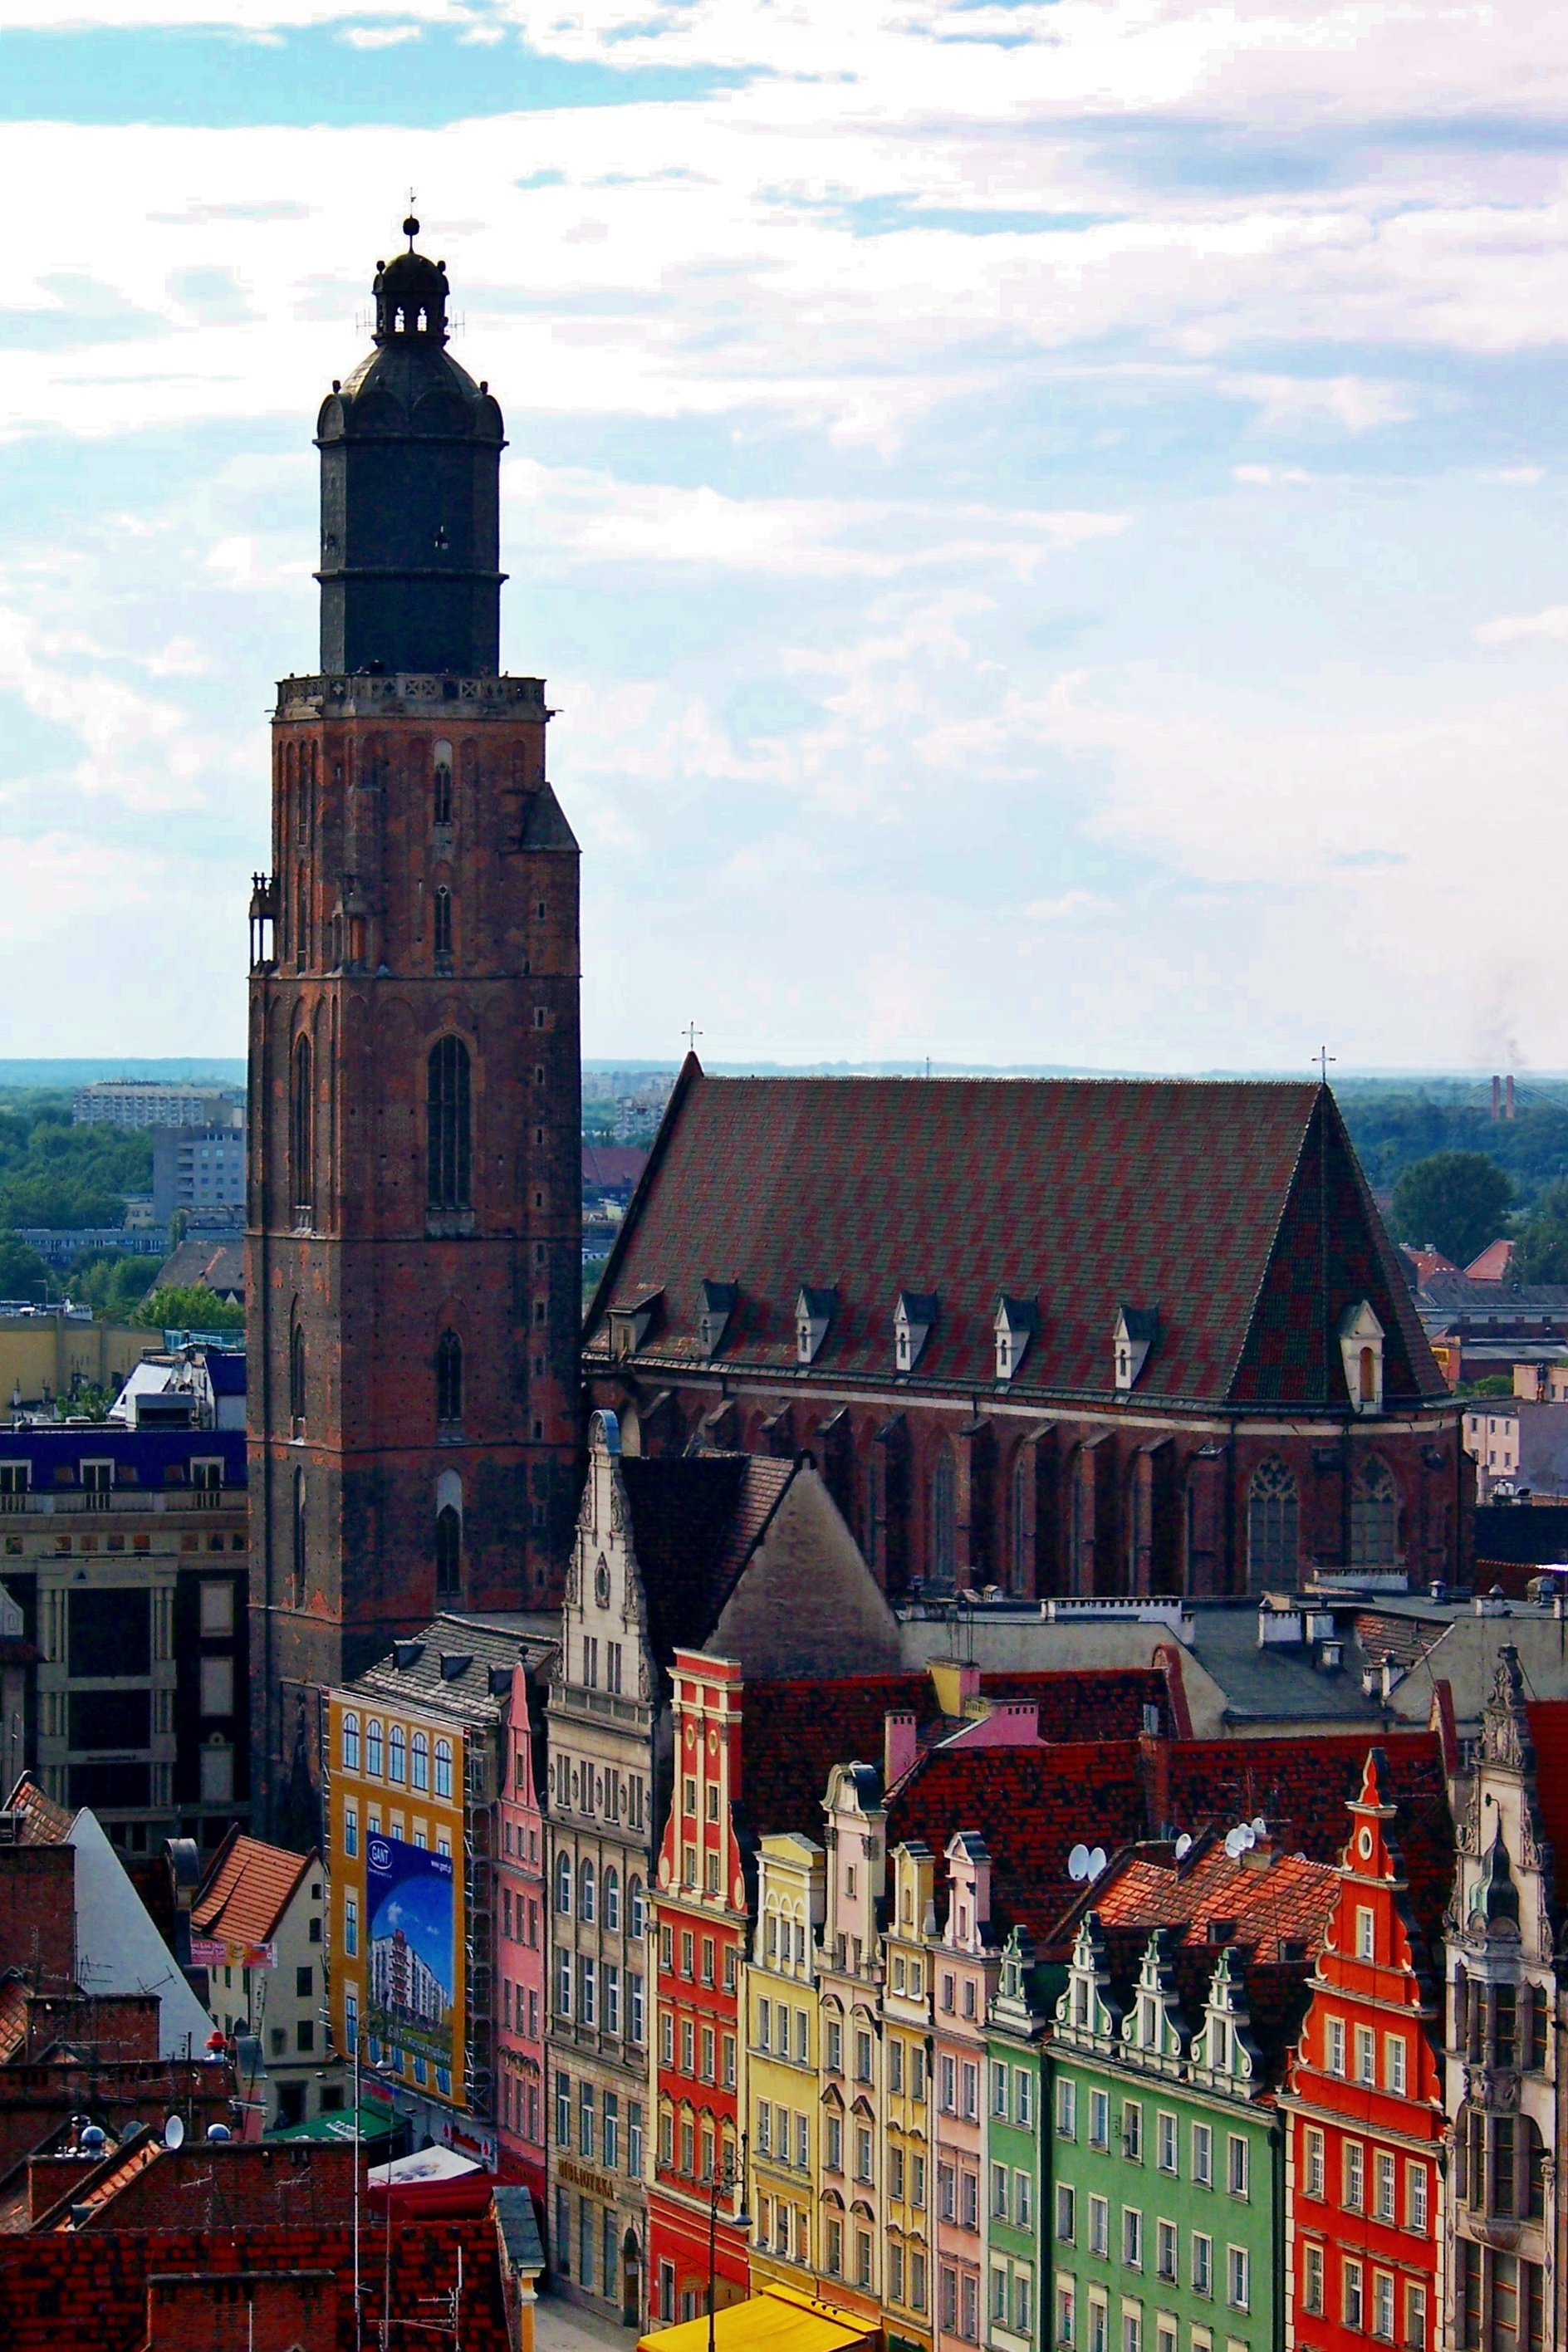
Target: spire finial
411	227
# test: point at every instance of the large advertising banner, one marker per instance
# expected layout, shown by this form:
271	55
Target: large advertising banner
413	1948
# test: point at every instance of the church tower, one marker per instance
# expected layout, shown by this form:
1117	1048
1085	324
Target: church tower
414	1263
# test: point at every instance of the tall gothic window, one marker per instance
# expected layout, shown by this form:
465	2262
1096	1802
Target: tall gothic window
1272	1522
297	1380
943	1520
1021	1468
299	1538
301	921
1375	1515
302	1171
441	784
448	1552
450	1155
448	1377
443	921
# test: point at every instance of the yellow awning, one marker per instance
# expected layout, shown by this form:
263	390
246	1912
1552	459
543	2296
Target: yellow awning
780	2319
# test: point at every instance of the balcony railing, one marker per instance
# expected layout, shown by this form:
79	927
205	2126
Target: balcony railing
105	1502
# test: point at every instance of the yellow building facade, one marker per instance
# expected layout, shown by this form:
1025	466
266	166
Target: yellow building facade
908	2173
782	2108
47	1355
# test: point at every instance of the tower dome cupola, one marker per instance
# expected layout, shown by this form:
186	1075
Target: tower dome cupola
410	293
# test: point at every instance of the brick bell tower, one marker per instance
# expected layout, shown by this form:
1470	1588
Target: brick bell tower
414	1268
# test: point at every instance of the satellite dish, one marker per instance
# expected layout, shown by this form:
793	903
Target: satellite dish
1097	1862
1261	1826
1183	1846
174	2132
219	2131
1077	1862
1232	1845
94	2137
1247	1835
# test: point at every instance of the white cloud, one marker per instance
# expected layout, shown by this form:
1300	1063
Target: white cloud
1268	477
1516	628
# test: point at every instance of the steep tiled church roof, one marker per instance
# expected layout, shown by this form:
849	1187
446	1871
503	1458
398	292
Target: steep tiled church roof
1230	1218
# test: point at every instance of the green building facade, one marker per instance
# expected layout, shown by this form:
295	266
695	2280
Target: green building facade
1165	2222
1016	2305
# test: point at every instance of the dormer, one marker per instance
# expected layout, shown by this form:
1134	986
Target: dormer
912	1320
1086	2013
1152	2026
1016	1324
630	1322
969	1892
1132	1335
714	1316
1360	1350
1223	2048
813	1314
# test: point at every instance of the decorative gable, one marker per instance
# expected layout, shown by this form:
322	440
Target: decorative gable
1016	1323
1152	2026
1223	2052
1084	2013
1132	1334
1360	1352
813	1312
718	1306
913	1317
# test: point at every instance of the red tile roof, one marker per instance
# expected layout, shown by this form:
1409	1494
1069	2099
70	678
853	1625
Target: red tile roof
1493	1263
1288	1903
41	1820
1208	1205
611	1166
1548	1730
247	1890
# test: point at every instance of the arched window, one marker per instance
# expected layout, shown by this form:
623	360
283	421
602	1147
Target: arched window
441	784
397	1755
301	1167
1021	1547
350	1743
373	1748
636	1924
443	1768
443	921
1273	1516
301	919
419	1772
448	1552
1367	1362
1374	1516
943	1526
448	1377
299	1538
297	1380
586	1892
612	1900
563	1885
447	1112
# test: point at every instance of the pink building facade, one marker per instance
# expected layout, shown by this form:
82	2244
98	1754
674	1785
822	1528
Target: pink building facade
521	1934
964	1967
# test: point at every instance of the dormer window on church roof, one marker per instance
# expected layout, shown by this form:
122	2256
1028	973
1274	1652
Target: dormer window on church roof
718	1304
1361	1351
1132	1334
913	1317
814	1310
1016	1324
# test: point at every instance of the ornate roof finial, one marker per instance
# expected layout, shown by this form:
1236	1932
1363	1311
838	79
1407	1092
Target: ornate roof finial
411	230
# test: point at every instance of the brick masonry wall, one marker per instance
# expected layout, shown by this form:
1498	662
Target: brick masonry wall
38	1911
88	2293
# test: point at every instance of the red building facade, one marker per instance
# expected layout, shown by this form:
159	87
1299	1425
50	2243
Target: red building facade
522	1926
1365	2113
1025	1345
414	1204
701	1918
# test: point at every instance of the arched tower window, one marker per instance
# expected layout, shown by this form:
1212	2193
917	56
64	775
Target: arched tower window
1273	1514
1019	1579
301	919
299	1538
943	1519
1375	1515
448	1552
441	784
301	1172
443	921
297	1381
448	1377
450	1155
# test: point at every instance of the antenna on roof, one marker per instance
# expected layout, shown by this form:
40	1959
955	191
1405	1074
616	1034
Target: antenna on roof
1184	1845
1097	1862
1078	1862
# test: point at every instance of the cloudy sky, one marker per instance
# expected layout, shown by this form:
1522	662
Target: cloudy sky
1044	523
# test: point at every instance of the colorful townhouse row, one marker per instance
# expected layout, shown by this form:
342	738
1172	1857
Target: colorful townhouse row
769	1959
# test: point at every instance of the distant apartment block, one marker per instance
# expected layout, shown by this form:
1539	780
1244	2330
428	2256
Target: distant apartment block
157	1102
198	1168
